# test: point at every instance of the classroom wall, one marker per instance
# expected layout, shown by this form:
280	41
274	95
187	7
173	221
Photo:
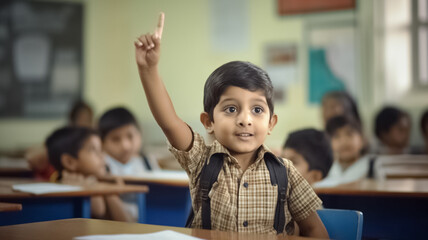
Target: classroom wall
188	57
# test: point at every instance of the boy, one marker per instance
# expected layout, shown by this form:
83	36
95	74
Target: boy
311	154
392	128
76	154
238	112
349	148
121	140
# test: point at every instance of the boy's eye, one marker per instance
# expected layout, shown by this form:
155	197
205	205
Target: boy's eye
258	110
230	109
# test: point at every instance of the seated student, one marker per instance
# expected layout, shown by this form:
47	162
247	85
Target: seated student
239	114
348	146
122	143
76	154
424	130
392	128
337	103
80	114
311	153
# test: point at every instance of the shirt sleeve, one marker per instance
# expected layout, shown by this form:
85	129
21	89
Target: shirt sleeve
302	200
191	161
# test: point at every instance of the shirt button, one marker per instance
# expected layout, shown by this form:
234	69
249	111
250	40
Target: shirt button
246	185
245	224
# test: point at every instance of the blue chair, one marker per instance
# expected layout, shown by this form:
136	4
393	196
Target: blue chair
342	224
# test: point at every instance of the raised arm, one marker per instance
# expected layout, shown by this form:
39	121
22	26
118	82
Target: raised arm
147	53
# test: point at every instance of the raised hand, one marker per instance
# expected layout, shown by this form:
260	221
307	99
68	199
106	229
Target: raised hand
147	47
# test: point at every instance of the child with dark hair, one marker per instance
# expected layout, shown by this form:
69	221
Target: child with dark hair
122	143
80	115
424	129
348	146
311	153
336	103
392	128
239	114
76	154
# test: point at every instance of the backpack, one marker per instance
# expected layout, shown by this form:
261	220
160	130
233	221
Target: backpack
209	174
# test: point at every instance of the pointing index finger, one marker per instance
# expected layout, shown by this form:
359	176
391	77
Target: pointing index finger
159	28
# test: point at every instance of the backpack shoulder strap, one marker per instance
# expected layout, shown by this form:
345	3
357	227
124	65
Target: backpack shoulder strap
208	177
278	176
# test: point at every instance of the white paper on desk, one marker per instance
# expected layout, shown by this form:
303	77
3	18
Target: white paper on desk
162	235
42	188
166	174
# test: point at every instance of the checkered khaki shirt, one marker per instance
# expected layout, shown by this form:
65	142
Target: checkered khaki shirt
235	207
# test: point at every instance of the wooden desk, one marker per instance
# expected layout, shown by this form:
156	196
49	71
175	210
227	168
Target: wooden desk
10	207
69	228
14	167
168	202
53	206
392	209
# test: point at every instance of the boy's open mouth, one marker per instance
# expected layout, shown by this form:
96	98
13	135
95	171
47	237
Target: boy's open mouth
244	134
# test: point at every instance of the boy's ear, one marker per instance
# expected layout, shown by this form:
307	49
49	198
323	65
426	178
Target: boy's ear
315	175
206	121
69	162
272	122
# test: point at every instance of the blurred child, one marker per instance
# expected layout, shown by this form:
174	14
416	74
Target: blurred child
424	130
80	114
349	148
311	153
336	103
122	143
392	128
76	154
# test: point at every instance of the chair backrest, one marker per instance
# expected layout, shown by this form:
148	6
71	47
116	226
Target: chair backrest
342	224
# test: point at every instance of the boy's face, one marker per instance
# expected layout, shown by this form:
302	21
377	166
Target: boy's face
90	159
347	144
241	120
399	134
123	143
298	160
302	166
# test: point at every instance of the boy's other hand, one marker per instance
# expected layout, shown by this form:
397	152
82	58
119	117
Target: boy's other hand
147	47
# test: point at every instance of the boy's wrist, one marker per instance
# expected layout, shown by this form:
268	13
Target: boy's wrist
148	70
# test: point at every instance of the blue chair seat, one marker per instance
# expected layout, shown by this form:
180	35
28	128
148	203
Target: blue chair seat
342	224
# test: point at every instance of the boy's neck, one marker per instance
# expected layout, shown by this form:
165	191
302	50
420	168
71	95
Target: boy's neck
245	159
346	164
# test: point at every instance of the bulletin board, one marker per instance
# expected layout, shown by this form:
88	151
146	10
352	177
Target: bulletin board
41	58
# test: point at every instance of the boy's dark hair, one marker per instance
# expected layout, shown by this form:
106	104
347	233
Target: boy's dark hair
115	118
341	121
424	123
386	118
314	146
348	102
76	108
67	140
239	74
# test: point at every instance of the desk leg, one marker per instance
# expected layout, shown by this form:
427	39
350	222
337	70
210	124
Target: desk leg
141	199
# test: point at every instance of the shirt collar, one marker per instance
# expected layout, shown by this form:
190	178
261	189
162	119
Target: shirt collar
217	147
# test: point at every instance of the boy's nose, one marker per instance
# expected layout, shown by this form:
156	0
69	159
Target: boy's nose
244	119
126	145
